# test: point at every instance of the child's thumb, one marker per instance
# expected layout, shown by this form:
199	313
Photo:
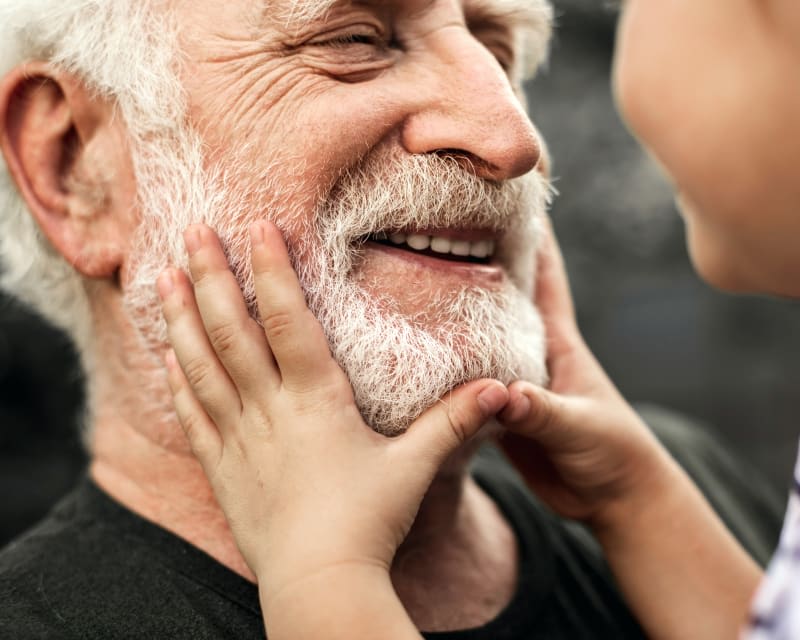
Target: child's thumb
537	413
455	419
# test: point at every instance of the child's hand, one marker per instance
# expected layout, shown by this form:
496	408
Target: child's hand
306	486
584	451
580	445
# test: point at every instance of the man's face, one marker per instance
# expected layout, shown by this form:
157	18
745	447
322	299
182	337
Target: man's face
388	142
708	87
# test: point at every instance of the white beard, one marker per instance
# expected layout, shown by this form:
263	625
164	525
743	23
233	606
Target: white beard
399	368
398	365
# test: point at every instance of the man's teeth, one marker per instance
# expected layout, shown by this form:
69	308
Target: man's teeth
437	244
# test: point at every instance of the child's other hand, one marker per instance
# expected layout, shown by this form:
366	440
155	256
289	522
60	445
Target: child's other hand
579	444
303	481
584	451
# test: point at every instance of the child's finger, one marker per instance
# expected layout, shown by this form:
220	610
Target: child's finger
553	296
455	419
206	377
201	432
235	336
295	337
554	302
540	414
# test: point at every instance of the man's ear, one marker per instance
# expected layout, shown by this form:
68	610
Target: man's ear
68	156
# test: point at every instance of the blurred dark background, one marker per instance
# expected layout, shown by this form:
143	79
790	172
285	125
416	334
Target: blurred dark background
663	336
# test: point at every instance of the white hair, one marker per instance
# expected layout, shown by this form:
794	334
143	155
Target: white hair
123	50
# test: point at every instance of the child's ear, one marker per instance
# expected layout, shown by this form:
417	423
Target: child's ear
68	156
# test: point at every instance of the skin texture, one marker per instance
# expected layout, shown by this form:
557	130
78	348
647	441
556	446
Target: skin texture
719	114
310	99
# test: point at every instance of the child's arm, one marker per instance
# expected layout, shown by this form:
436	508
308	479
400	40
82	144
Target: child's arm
316	501
590	457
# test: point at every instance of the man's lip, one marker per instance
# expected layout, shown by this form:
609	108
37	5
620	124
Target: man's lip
485	274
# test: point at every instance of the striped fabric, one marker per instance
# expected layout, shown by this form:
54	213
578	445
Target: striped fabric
775	614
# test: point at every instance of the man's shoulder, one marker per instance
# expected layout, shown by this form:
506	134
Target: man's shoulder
64	570
42	573
99	571
71	546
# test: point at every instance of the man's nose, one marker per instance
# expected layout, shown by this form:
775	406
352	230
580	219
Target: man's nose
469	110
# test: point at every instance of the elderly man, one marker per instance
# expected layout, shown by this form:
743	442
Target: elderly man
387	139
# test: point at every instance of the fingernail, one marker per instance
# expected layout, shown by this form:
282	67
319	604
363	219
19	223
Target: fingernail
191	238
491	399
165	284
257	233
519	409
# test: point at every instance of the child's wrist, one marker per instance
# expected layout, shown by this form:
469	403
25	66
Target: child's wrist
278	582
303	603
657	481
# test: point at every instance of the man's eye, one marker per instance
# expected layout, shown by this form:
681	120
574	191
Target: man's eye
352	38
346	39
352	53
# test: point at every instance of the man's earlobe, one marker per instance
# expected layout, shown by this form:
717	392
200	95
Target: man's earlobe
64	151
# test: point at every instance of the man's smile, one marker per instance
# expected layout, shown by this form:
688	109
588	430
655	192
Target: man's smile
463	255
464	246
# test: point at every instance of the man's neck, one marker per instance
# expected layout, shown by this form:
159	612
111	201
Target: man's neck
457	568
165	484
459	537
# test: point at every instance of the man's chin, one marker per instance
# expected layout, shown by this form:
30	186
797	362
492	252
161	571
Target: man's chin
400	366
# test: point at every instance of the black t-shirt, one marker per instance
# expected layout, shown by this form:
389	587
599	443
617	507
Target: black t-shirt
94	569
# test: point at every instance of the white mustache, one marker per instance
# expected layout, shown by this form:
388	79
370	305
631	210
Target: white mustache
386	193
426	192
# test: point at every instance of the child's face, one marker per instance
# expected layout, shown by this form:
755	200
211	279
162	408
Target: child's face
712	87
